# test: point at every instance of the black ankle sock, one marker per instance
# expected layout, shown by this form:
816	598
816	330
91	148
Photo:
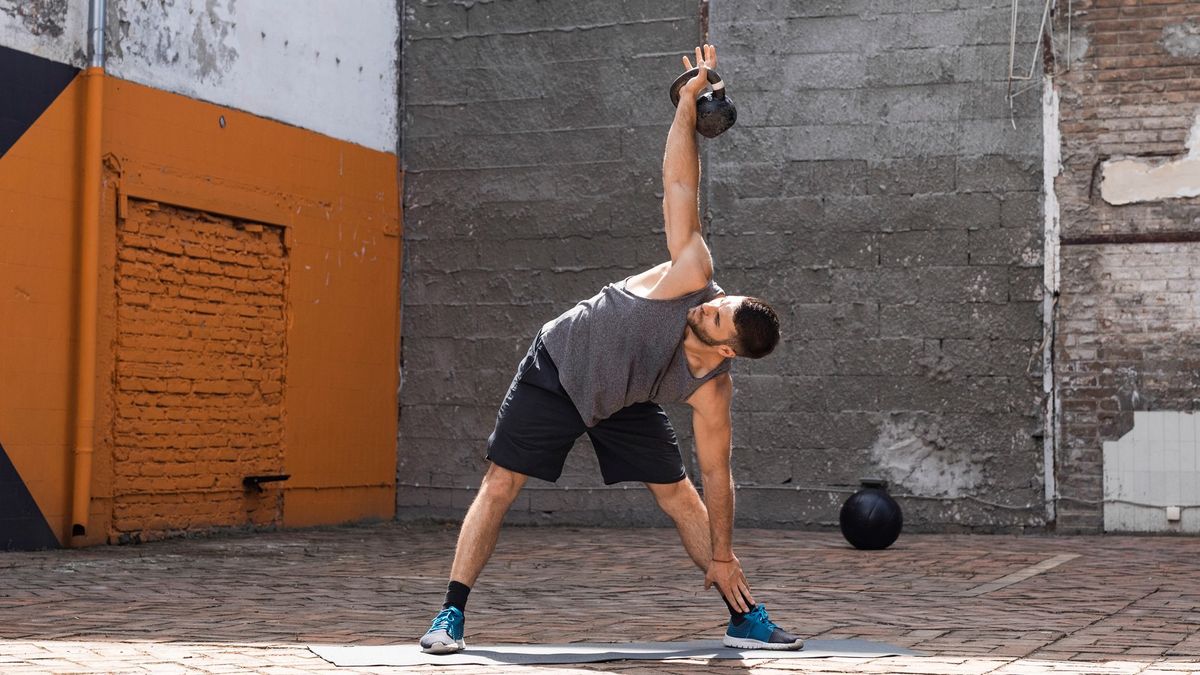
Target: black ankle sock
456	596
735	616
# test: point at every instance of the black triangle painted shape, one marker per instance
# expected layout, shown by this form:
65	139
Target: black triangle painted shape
22	525
28	85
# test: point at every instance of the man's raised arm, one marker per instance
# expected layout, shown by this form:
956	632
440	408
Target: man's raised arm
681	179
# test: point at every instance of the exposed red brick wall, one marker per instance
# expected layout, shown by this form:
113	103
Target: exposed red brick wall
1129	339
200	359
1127	96
1127	320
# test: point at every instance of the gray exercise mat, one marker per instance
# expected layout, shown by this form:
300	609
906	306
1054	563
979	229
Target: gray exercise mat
592	652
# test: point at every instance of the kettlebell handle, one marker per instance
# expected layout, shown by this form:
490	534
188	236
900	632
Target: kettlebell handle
718	87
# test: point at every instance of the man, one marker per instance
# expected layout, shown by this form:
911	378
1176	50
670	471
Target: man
602	368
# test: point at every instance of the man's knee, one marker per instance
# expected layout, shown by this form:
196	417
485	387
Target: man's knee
674	496
501	485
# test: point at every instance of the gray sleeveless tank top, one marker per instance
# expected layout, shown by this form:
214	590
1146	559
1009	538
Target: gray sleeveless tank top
616	349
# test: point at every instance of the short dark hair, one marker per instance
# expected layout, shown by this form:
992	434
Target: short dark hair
757	328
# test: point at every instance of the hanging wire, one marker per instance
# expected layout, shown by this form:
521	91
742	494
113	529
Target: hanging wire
1097	502
783	488
1070	11
1012	57
826	490
1012	42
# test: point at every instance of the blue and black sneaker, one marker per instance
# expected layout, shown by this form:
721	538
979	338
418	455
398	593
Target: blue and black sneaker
445	634
757	631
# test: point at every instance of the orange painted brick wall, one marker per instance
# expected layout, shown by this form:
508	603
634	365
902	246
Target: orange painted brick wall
201	337
204	374
330	211
325	314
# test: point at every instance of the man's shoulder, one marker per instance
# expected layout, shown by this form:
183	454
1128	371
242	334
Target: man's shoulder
716	393
667	281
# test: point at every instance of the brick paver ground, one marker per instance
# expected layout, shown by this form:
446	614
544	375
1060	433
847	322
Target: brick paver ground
250	603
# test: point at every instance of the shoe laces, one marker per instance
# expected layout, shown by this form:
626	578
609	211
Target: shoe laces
759	614
443	621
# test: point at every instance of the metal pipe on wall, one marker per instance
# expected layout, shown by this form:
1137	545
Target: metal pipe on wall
1051	278
89	263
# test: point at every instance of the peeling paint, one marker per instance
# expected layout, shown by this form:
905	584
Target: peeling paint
1079	47
1129	389
912	453
169	33
1127	181
1073	46
40	17
1181	39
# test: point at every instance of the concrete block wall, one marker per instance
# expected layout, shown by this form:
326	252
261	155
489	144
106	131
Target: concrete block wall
874	189
532	142
1126	318
880	190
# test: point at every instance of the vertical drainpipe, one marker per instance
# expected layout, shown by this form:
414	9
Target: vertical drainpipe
1051	166
89	263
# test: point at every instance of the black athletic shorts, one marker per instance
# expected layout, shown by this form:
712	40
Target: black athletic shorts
538	424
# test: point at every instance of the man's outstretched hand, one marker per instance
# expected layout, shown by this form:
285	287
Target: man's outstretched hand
731	582
706	58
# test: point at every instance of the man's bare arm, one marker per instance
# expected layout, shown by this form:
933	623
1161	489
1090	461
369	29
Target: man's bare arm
690	258
712	425
681	178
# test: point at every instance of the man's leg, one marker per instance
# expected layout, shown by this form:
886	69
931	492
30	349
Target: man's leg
682	503
476	542
481	527
752	630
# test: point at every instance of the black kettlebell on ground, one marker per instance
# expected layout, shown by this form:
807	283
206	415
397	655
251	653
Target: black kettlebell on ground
870	518
714	110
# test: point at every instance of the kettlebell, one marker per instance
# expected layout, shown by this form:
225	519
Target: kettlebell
870	519
714	110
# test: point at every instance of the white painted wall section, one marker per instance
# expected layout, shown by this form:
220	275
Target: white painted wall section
1127	181
325	66
1154	466
51	30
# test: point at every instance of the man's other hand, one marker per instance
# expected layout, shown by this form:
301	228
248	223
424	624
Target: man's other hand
731	582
